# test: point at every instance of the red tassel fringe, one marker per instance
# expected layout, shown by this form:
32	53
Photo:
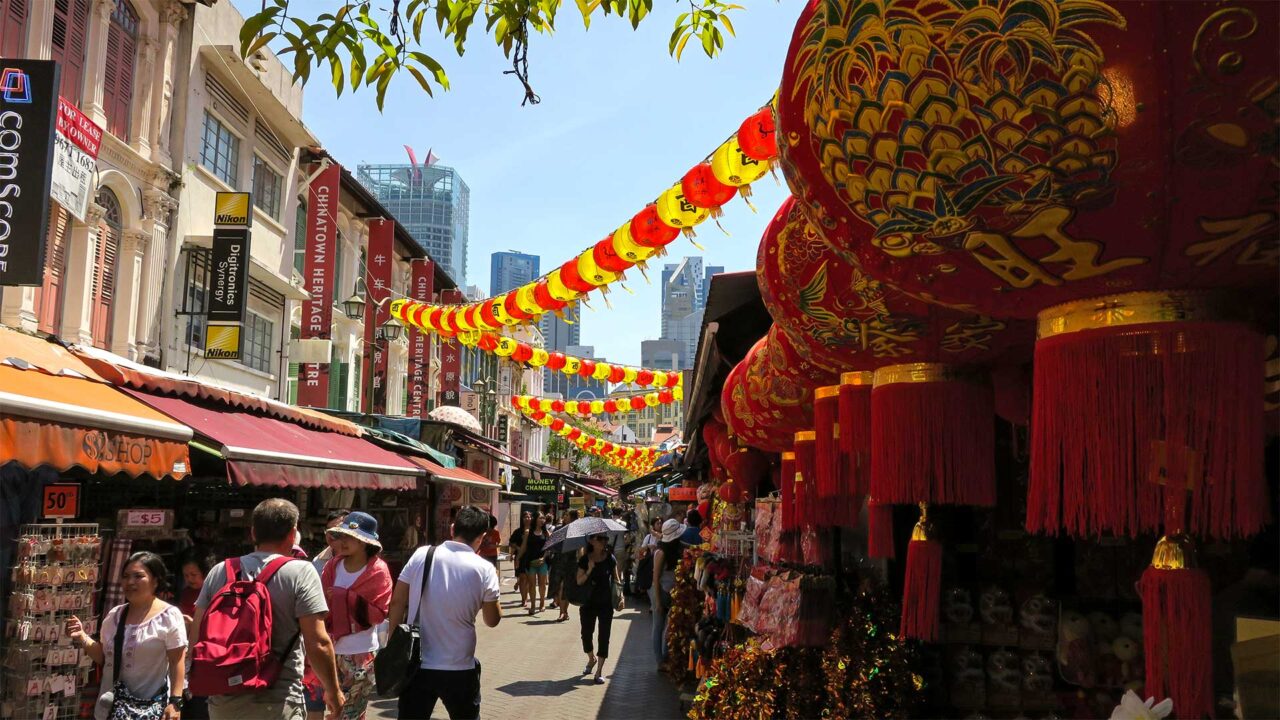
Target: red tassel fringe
922	590
880	531
828	461
1176	625
787	483
855	445
933	442
1108	404
807	503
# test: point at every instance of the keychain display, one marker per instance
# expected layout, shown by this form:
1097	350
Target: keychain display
55	575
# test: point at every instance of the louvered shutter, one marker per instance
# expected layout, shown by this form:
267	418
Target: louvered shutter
70	28
13	28
104	283
49	302
119	113
109	89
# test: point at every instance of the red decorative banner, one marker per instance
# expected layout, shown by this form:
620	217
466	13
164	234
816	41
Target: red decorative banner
450	360
378	263
318	278
421	285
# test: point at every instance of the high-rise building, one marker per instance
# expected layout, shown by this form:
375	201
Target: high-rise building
509	270
711	271
581	388
431	202
663	354
685	286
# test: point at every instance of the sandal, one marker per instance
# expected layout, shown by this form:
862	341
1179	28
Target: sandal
599	680
591	665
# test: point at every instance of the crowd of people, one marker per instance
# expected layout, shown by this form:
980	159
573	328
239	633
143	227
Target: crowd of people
315	623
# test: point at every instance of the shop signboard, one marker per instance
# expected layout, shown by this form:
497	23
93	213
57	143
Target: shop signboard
28	116
543	487
75	159
578	501
378	264
61	500
682	494
450	359
145	522
421	284
228	275
318	279
504	424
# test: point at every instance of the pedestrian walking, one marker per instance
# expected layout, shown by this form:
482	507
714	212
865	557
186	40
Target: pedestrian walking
534	562
298	609
564	566
598	570
142	648
621	552
492	541
514	543
459	584
692	535
644	558
325	555
357	588
196	564
665	560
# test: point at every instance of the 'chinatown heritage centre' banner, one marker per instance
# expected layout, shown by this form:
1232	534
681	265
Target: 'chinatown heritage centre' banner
421	285
318	278
28	110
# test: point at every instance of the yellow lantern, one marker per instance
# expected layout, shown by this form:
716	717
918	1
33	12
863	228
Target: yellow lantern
571	406
546	421
629	375
627	248
524	298
674	210
557	288
500	311
571	365
659	379
732	167
677	392
651	399
602	371
593	273
539	357
544	405
597	406
397	309
506	347
460	318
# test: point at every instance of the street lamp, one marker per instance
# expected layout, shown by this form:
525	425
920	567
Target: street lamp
390	330
487	392
353	307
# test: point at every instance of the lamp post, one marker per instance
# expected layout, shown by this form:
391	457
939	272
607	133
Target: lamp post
388	332
487	394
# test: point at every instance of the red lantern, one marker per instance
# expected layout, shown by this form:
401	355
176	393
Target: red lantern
537	415
555	361
515	401
611	406
665	397
574	434
607	258
487	315
757	136
434	318
648	230
644	378
764	401
637	403
673	379
557	405
542	296
572	280
488	342
513	308
702	189
557	425
523	353
586	368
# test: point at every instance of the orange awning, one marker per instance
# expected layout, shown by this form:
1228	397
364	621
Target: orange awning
54	412
462	476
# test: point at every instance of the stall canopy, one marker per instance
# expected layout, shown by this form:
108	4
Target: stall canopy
55	411
601	490
459	475
261	450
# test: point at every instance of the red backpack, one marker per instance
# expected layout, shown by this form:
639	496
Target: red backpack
233	654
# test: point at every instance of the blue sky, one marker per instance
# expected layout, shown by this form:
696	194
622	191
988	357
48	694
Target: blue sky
619	122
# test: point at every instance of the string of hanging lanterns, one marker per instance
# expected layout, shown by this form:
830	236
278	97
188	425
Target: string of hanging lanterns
608	406
635	458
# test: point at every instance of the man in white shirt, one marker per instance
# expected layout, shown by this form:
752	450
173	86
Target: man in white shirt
461	585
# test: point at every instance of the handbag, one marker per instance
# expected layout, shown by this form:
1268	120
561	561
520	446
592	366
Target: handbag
399	660
119	703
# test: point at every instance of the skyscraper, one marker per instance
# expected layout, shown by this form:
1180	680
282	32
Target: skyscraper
510	270
684	296
558	335
432	202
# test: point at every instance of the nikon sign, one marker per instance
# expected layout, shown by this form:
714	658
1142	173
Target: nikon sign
28	115
228	276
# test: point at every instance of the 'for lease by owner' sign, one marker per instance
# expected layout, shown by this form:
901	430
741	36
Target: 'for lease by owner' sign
75	159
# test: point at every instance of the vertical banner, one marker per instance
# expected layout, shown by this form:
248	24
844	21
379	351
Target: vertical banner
28	115
378	263
228	276
75	159
319	274
421	286
450	359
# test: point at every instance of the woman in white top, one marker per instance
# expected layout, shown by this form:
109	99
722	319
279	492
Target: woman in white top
149	682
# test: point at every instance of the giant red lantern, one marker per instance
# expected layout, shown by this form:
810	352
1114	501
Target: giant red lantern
764	401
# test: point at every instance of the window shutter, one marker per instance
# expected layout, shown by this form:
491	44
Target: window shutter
70	29
104	282
124	86
50	300
109	89
14	31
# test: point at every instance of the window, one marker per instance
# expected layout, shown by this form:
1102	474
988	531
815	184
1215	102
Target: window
49	312
266	188
220	151
106	250
70	30
13	28
196	299
117	83
300	239
258	342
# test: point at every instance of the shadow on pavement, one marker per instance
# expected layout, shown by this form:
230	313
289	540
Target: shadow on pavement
636	690
543	688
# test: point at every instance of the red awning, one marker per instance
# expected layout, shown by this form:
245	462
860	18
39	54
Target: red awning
462	476
265	451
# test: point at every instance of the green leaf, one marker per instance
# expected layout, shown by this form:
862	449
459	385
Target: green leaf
422	80
375	69
707	46
253	27
383	82
724	20
262	40
680	46
335	68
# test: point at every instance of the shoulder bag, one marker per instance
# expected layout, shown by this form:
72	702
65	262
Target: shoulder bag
119	703
399	660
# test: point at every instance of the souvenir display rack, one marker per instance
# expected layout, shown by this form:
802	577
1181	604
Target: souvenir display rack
56	575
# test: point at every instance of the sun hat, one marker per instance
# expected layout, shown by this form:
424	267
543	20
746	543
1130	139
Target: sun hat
361	526
671	530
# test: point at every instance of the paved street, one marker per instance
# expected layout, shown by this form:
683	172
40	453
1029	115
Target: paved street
533	665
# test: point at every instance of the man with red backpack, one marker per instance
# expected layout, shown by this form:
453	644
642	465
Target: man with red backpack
255	616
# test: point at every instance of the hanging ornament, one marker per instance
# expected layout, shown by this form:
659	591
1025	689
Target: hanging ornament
592	273
545	300
922	586
607	258
506	347
538	358
675	210
703	190
1177	622
616	374
555	361
586	368
758	137
733	167
523	353
572	280
649	230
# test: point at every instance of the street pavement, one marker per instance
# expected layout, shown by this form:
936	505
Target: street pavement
532	669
